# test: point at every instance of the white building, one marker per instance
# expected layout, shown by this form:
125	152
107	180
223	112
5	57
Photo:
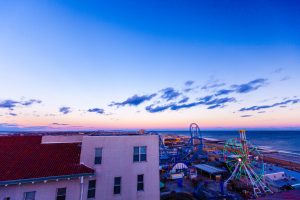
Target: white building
83	167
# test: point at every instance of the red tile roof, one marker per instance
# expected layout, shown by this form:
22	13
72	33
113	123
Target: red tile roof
24	157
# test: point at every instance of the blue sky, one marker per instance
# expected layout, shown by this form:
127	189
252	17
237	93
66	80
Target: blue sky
124	65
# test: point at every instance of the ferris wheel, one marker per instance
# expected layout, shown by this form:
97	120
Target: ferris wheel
245	163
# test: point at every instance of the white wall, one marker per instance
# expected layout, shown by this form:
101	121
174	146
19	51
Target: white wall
44	191
117	160
61	139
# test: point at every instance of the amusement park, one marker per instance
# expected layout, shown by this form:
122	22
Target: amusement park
196	167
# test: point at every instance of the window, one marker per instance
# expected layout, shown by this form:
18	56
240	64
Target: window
98	156
117	185
61	193
92	189
29	195
139	154
143	153
140	182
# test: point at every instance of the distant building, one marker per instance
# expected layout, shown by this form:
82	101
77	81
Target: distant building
79	167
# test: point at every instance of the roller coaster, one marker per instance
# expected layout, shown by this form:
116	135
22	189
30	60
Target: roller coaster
187	153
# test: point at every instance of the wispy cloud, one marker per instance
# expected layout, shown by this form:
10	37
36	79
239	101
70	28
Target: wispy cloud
246	115
189	83
285	78
182	106
184	100
189	86
65	110
243	88
134	100
206	101
154	109
96	110
262	107
11	104
278	70
59	124
250	86
223	92
206	98
30	102
219	102
169	93
212	84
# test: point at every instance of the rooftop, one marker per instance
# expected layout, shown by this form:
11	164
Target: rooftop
25	159
209	169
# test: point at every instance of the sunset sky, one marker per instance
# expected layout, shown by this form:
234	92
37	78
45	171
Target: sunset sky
149	64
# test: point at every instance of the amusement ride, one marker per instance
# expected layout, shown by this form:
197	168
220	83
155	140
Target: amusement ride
245	164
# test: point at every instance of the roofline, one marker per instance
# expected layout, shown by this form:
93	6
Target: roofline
41	179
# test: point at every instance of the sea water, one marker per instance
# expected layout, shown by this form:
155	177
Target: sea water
282	141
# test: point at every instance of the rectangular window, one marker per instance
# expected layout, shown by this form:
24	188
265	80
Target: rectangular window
136	154
139	154
92	189
98	156
140	182
61	193
117	185
29	195
143	152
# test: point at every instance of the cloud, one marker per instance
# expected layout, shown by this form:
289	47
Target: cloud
285	78
59	124
207	101
283	103
212	103
206	98
30	102
65	110
215	106
246	115
154	109
184	100
212	84
219	102
243	88
189	105
12	114
11	104
278	70
189	87
96	110
189	83
134	100
170	94
250	86
223	92
8	125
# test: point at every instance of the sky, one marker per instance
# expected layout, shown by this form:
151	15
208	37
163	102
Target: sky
155	65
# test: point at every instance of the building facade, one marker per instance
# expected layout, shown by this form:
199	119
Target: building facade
83	167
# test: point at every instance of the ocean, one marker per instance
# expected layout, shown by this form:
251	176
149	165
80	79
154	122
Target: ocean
282	141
